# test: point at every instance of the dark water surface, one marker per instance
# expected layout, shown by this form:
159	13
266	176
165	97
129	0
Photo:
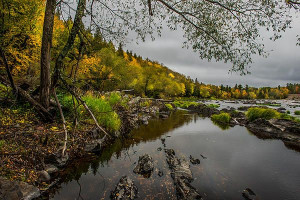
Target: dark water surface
236	159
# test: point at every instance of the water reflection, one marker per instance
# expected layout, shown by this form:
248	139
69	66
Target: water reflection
235	160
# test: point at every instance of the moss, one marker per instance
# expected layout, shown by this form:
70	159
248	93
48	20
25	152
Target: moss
264	113
222	117
297	112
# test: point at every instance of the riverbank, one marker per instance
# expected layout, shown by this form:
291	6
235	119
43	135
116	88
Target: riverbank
31	151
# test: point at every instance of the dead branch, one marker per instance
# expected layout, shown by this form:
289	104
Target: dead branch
63	121
84	105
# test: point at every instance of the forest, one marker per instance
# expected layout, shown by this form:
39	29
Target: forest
73	99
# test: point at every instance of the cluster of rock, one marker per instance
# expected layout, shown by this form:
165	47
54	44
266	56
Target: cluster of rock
125	190
145	166
182	176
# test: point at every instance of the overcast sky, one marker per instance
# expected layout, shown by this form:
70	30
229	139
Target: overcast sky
281	66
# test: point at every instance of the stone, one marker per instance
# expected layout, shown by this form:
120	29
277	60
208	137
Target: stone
43	176
15	190
249	194
145	166
51	169
125	190
182	177
194	161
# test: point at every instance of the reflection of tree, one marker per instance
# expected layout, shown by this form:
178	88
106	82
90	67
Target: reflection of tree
154	130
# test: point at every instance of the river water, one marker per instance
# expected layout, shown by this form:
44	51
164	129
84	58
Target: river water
233	159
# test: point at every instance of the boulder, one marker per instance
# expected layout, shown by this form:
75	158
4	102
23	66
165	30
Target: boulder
249	194
15	190
145	166
125	190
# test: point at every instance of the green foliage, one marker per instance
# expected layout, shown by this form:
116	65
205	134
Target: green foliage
288	112
222	118
297	112
184	104
2	143
264	113
169	106
213	105
101	108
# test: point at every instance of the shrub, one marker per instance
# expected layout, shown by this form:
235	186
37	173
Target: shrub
222	117
213	105
101	108
184	104
169	106
297	112
264	113
288	112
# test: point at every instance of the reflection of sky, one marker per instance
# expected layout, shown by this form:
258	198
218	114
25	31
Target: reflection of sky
235	160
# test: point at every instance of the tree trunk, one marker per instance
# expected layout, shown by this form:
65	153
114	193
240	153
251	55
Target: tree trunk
45	80
72	36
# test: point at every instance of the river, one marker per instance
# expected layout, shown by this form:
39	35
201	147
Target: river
232	159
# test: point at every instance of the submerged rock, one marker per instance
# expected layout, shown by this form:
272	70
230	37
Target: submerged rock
249	194
145	166
194	161
125	190
14	190
182	176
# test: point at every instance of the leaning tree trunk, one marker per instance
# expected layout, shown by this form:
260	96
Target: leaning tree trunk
71	39
45	80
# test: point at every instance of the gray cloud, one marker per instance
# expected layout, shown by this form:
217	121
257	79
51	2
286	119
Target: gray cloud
281	66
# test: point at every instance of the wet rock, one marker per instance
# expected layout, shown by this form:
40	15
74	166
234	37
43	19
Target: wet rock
160	173
145	166
203	110
125	190
94	145
43	176
203	156
51	169
182	176
286	130
159	149
58	159
281	110
15	190
163	116
249	194
194	161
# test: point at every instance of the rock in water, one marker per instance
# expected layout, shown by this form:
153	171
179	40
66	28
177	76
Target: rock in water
125	190
194	161
249	194
182	177
145	166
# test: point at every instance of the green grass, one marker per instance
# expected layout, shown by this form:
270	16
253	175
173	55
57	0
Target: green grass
264	113
297	112
102	108
169	106
269	104
222	117
184	104
213	105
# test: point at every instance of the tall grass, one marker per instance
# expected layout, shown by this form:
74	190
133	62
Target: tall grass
102	108
222	117
264	113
